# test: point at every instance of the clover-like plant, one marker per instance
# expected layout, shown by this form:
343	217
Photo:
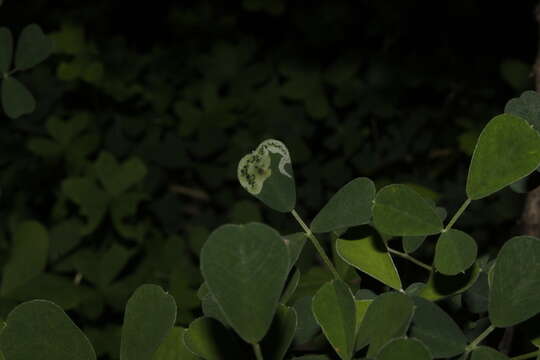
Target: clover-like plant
250	274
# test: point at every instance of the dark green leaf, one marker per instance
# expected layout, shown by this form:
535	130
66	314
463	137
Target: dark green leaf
149	317
245	268
527	106
350	206
118	178
487	353
440	286
455	252
16	99
32	48
53	334
275	344
404	349
6	50
173	348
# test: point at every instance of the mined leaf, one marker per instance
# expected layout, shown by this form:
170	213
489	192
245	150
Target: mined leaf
514	295
436	329
6	50
487	353
16	99
455	252
32	48
527	107
400	211
370	256
210	340
245	267
173	348
267	174
440	286
275	344
387	317
405	349
28	255
53	334
350	206
149	317
507	150
335	311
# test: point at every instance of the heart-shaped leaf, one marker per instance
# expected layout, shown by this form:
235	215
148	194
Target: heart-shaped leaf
210	340
487	353
149	317
527	106
387	317
39	329
437	330
6	50
370	256
16	99
507	150
28	255
514	295
267	174
440	286
281	334
245	267
335	311
32	48
350	206
173	348
400	211
118	178
404	349
455	252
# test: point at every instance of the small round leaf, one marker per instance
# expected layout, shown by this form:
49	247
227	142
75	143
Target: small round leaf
455	252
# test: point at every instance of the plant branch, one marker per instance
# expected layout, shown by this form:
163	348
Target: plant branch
257	351
317	244
410	258
457	215
479	339
526	356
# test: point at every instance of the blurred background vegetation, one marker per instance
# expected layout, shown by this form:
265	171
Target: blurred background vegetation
145	108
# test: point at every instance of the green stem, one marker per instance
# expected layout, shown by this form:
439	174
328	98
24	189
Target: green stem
410	258
479	339
317	244
526	356
457	215
257	351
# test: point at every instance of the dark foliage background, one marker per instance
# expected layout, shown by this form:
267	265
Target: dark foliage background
178	91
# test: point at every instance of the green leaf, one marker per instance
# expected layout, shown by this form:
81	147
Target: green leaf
400	211
527	107
440	286
245	267
210	340
6	50
210	306
118	178
487	353
149	317
92	201
350	206
370	256
53	334
437	330
404	349
16	99
125	206
295	243
507	150
361	308
291	287
32	48
455	252
476	298
307	325
28	255
335	311
173	348
412	243
267	174
275	344
514	295
386	318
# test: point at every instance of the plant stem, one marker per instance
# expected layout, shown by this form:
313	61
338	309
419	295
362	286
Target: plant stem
526	356
457	215
317	244
410	258
257	351
479	339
